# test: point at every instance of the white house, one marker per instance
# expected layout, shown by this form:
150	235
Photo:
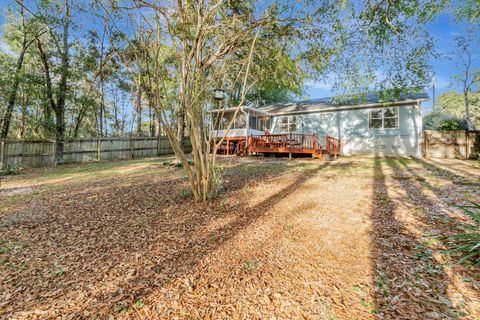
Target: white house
367	126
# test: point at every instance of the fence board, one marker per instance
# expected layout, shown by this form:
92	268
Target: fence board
42	152
451	144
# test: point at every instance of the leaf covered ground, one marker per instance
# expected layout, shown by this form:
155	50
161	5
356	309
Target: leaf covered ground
301	239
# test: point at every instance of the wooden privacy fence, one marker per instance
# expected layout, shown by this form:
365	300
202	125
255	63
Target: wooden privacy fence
451	144
42	152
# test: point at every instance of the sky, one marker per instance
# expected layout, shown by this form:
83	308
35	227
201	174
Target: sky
444	29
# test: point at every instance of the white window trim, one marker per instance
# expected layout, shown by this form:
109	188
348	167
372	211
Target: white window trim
397	111
289	122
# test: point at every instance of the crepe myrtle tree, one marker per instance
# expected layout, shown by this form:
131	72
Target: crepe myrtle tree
183	50
186	49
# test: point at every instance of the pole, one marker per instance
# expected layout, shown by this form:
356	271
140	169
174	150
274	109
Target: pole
433	92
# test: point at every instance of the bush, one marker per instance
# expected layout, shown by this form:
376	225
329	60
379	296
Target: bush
10	169
467	244
186	193
443	122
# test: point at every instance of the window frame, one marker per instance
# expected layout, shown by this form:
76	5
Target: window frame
289	123
383	117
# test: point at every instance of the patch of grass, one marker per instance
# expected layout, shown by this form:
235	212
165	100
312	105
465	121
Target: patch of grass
363	296
250	265
125	309
9	246
139	304
467	244
60	272
247	189
186	193
179	165
382	283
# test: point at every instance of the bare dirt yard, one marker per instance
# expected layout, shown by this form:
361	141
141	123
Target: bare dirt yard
301	239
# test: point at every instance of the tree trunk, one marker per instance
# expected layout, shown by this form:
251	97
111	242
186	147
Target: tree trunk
59	135
467	110
13	92
181	127
62	91
138	108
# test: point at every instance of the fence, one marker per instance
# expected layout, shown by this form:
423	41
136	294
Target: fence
451	144
42	152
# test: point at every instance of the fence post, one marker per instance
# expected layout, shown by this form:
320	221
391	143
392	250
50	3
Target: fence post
98	150
2	153
131	147
159	142
466	145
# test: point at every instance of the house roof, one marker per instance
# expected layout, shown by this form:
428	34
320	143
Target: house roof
340	103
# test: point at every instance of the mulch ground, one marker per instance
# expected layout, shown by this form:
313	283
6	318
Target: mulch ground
301	239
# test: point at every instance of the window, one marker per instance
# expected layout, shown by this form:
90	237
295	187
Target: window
385	118
288	123
264	123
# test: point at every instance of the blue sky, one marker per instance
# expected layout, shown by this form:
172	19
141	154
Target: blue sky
445	30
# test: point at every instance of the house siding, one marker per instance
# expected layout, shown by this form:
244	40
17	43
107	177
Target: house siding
352	127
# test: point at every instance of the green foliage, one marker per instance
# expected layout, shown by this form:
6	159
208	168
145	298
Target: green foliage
468	10
443	122
467	244
250	265
186	193
453	103
10	169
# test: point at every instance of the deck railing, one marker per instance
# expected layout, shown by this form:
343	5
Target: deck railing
332	145
291	141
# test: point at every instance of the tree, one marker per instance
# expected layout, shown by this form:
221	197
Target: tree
452	103
29	30
443	122
470	77
61	42
231	45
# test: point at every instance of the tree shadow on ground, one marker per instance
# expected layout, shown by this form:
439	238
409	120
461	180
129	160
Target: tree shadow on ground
410	283
106	246
458	166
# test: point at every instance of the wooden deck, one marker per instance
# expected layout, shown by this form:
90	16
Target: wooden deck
289	143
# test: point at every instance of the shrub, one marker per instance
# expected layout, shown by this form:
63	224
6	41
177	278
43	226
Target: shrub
186	193
467	244
443	122
10	169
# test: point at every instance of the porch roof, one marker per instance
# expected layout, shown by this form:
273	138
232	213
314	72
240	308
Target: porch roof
230	110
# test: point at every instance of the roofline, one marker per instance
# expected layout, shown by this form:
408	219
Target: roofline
331	109
233	109
351	107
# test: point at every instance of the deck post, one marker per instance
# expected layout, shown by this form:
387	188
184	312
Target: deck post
289	155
